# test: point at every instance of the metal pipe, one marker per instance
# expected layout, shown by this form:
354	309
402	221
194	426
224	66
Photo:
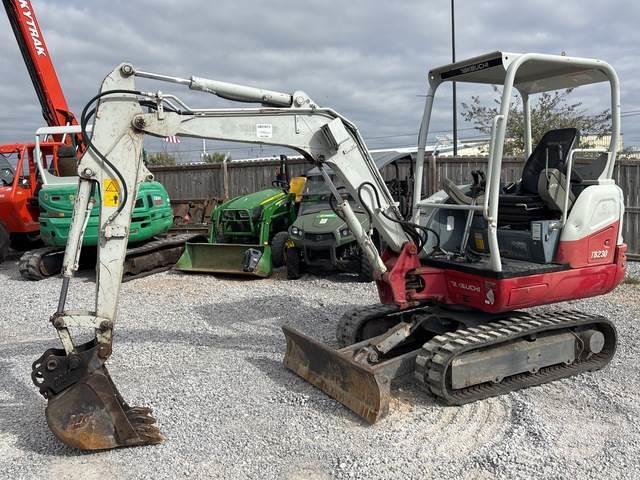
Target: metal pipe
526	108
453	60
422	142
487	189
452	206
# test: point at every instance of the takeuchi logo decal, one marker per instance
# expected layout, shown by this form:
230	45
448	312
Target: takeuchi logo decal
475	68
33	29
465	286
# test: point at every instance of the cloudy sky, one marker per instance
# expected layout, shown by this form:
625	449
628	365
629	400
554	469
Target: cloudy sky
366	59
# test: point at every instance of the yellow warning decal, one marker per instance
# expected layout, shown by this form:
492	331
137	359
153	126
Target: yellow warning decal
273	197
479	240
111	191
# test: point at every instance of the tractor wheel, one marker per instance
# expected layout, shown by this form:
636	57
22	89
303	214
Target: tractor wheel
5	241
278	249
366	269
294	266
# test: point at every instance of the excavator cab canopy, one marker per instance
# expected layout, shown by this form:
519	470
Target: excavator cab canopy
528	73
540	73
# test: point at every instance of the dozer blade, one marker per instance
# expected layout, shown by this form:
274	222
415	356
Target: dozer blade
363	389
236	259
90	413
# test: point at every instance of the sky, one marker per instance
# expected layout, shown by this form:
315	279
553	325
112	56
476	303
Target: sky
367	60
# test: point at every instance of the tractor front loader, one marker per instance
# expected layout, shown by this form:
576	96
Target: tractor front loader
248	233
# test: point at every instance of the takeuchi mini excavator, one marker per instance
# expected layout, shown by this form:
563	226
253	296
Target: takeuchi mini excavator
448	304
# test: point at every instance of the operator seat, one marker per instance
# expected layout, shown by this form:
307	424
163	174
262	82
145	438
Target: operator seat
520	203
67	161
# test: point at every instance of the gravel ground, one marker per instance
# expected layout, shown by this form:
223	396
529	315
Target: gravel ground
206	353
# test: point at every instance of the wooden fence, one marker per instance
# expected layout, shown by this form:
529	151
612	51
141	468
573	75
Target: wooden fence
206	181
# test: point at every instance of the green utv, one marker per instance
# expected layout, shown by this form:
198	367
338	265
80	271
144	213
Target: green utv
248	234
319	239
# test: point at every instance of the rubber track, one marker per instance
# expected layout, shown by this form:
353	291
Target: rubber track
436	355
29	264
153	248
352	321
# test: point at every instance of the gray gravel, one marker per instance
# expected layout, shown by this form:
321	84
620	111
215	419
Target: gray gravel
206	354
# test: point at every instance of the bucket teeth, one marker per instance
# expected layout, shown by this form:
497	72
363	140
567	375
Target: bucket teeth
85	409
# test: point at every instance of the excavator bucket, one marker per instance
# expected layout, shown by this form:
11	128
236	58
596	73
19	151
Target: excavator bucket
226	258
363	389
90	413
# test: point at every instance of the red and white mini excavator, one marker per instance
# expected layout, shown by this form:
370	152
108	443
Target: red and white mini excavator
451	281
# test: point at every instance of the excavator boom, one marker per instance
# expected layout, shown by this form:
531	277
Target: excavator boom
85	410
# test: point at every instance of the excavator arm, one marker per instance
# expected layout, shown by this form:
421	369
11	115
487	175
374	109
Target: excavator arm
84	409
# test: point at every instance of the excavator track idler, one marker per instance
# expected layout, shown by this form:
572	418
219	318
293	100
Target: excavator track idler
85	409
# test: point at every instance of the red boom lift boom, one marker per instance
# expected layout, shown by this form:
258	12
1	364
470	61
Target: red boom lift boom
19	226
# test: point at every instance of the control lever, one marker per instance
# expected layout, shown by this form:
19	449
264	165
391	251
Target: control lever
478	186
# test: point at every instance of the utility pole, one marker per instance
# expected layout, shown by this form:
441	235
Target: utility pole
453	59
204	149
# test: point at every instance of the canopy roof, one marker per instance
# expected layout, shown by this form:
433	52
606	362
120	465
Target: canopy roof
540	73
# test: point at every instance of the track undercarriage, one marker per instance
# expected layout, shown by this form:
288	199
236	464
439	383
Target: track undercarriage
459	356
155	256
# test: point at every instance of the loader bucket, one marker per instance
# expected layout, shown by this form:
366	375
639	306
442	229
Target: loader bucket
91	415
359	387
230	258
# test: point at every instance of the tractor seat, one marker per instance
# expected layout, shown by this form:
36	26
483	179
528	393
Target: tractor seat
524	204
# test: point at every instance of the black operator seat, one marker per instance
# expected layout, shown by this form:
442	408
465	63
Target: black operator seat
520	203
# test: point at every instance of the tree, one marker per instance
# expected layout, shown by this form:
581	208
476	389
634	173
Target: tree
552	110
215	157
159	159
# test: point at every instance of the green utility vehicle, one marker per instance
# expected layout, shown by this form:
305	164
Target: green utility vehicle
320	239
248	234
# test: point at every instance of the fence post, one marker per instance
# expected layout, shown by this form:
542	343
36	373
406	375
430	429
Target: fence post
433	174
225	179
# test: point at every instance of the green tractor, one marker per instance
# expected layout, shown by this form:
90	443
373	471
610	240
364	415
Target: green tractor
319	239
248	234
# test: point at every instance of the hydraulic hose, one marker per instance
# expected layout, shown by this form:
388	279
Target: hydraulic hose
84	119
